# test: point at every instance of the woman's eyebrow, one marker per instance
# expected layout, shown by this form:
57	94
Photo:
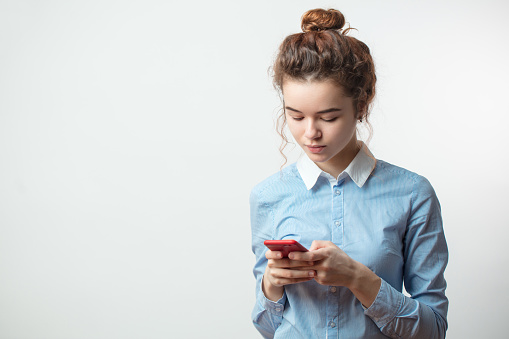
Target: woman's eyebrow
320	112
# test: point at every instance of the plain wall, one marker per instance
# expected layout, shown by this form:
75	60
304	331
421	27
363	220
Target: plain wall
131	134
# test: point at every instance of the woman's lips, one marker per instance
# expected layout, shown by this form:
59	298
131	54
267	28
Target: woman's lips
315	149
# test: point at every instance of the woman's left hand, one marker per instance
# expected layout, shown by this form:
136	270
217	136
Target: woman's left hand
335	268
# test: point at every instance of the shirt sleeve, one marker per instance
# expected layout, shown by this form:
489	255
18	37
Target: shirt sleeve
267	315
424	314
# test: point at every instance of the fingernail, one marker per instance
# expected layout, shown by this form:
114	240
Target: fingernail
311	273
291	255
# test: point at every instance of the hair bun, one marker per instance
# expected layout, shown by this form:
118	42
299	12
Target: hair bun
321	19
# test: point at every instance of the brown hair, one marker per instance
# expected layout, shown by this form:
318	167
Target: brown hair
323	52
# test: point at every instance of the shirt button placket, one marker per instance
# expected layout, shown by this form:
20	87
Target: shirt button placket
337	214
337	224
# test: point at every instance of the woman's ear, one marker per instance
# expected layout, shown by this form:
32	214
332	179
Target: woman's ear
361	111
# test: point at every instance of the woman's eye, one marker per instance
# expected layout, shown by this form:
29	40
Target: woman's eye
329	120
298	119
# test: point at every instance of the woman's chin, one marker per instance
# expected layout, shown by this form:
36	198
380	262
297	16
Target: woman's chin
317	157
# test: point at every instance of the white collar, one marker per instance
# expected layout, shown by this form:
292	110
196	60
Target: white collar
359	169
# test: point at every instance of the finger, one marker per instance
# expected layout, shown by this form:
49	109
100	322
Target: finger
317	244
285	281
282	273
310	256
273	254
307	268
288	263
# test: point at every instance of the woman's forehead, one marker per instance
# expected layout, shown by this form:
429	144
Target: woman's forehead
313	92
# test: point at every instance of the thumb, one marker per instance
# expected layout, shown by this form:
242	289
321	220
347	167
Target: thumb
317	244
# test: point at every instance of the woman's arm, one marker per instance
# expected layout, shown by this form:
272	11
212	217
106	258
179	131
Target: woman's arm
267	314
272	272
335	268
423	315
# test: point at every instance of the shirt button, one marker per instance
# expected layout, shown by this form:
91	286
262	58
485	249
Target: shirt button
332	324
338	223
333	289
338	192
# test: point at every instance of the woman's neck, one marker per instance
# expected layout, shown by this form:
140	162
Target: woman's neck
340	161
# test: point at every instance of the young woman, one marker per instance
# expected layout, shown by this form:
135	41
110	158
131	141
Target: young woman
370	226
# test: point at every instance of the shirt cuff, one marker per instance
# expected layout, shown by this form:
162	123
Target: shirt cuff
274	307
386	306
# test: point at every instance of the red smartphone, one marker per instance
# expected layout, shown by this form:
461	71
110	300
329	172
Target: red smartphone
285	246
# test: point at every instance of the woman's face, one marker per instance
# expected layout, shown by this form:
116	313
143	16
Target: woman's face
322	121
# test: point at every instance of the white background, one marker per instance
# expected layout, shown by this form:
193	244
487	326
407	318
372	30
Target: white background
131	133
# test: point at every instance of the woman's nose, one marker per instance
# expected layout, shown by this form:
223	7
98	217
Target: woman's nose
312	132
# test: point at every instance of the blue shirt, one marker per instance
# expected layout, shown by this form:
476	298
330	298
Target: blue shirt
381	215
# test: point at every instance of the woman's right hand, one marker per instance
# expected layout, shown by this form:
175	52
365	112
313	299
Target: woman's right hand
283	271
